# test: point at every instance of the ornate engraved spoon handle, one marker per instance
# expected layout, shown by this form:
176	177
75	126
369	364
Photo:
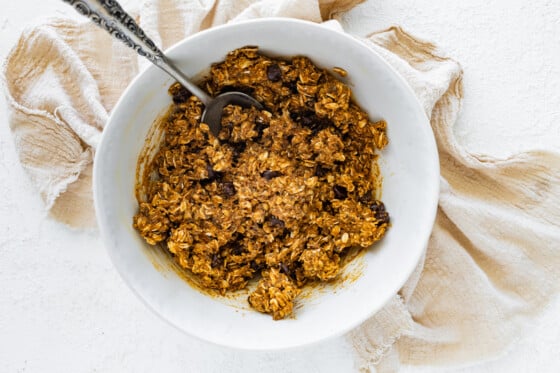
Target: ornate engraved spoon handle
109	15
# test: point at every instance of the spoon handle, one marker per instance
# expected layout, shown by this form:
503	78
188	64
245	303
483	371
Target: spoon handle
109	15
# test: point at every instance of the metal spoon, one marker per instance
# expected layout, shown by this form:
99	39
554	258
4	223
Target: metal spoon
109	15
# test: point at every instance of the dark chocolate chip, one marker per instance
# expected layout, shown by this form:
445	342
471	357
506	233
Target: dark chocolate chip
274	73
228	189
256	267
238	149
285	233
340	192
284	269
367	198
292	86
181	95
295	116
381	215
237	249
382	218
321	124
321	171
310	120
307	121
213	175
216	260
276	223
260	125
376	206
269	175
195	149
327	206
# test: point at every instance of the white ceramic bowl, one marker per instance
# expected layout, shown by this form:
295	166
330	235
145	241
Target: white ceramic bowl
409	166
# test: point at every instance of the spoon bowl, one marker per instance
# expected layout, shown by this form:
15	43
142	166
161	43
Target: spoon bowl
213	112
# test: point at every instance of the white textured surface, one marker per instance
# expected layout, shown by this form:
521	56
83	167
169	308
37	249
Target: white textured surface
63	307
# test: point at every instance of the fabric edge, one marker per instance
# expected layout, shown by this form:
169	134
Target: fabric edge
12	105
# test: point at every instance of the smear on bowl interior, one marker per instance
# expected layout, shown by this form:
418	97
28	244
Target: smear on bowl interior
282	193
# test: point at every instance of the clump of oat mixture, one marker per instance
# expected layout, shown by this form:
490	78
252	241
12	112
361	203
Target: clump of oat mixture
281	193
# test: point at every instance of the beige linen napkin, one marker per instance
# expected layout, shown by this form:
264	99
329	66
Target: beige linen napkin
492	262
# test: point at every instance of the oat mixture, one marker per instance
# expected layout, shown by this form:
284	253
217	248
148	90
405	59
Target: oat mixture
282	193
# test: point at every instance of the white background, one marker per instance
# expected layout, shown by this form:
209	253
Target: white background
64	308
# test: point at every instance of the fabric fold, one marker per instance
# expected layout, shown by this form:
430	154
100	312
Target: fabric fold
491	264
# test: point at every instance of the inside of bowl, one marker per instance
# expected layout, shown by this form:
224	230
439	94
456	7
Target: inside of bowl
409	167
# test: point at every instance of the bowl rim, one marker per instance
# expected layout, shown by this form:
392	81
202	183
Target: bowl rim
430	215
